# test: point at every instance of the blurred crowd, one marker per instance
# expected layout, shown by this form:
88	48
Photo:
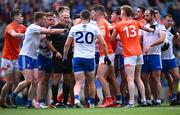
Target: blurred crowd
31	6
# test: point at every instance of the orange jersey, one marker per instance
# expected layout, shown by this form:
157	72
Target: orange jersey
129	35
103	24
12	45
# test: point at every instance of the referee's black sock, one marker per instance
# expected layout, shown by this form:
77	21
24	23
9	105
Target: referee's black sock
66	91
54	93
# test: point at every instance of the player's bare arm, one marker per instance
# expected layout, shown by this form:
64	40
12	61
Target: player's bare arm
66	46
15	34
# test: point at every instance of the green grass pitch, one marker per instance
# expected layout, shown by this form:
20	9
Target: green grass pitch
163	110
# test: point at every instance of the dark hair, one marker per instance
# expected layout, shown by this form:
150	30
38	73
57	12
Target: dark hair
61	8
168	15
156	9
99	8
50	13
76	16
85	14
15	13
127	9
39	15
117	11
143	9
151	11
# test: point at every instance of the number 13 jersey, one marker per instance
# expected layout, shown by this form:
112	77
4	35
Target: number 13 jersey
84	36
129	35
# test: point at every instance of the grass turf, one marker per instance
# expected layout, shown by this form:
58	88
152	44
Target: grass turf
163	110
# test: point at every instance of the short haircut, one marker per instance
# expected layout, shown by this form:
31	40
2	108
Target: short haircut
16	12
76	16
50	13
39	15
61	8
168	15
128	10
157	9
151	11
142	8
117	11
99	8
85	14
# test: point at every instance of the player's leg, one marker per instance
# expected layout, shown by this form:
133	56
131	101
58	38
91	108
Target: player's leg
56	77
25	65
8	72
156	66
138	80
91	88
130	70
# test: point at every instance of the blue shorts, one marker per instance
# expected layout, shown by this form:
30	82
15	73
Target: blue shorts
121	61
44	64
168	64
26	62
151	63
83	64
97	57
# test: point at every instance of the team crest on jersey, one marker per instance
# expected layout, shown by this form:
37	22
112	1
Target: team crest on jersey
84	26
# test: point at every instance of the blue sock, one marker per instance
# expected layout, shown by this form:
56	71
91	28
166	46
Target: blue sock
123	100
92	100
174	95
41	100
13	95
76	97
87	100
29	102
119	98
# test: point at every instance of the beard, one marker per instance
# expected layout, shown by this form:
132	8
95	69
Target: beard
148	20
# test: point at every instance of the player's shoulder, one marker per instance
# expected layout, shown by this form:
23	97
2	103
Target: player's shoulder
22	26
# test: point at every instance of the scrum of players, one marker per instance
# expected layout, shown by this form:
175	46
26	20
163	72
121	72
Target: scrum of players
88	52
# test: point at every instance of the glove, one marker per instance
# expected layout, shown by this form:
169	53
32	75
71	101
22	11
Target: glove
165	46
107	61
153	27
173	31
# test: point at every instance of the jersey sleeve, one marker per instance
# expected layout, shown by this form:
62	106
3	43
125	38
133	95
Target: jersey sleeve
9	28
71	33
36	29
98	31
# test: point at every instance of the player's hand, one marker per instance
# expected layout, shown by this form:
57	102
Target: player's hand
146	50
165	46
107	61
58	55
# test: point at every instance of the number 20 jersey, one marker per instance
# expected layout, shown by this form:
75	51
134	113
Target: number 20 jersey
129	35
84	39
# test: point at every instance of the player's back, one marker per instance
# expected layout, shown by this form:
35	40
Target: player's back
31	42
84	39
129	34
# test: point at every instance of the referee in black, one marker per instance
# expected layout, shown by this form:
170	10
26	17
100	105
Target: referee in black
56	44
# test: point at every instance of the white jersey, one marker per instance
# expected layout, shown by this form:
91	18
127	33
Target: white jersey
168	54
97	45
84	36
43	49
150	37
31	42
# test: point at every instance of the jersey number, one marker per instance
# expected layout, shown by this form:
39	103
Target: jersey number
130	31
89	36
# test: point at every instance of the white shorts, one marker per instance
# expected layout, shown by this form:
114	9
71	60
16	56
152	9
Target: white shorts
133	60
111	57
8	66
